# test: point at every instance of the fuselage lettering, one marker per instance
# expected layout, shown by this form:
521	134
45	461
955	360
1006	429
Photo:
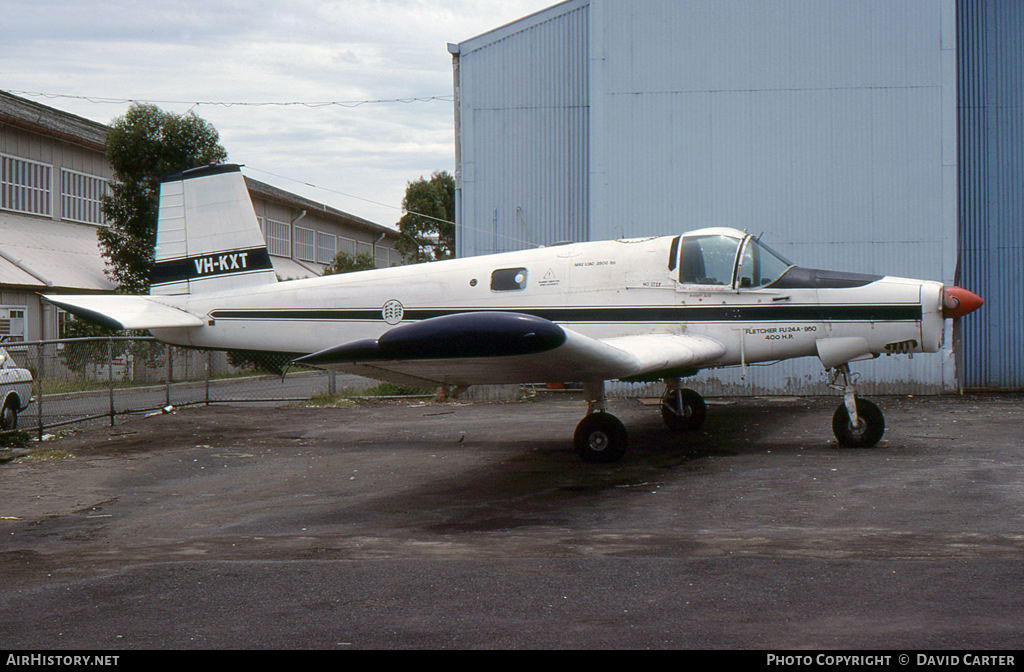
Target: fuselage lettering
222	263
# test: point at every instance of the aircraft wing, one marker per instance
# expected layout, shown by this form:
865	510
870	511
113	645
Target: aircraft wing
491	347
125	312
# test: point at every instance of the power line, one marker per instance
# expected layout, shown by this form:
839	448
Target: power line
216	103
393	207
349	104
341	193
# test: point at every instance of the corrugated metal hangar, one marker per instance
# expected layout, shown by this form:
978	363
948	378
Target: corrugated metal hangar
883	136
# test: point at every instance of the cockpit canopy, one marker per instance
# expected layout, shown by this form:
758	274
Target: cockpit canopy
726	259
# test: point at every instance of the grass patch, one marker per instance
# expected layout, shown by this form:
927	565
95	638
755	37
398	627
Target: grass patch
324	400
40	455
385	389
347	397
15	439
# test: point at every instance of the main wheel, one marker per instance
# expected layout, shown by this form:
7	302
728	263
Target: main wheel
8	418
683	410
600	438
867	433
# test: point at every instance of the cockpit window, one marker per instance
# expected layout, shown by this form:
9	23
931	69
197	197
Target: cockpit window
760	265
707	260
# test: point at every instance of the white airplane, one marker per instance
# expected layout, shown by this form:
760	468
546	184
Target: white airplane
635	310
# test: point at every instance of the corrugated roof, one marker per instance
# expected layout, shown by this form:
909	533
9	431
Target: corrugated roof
50	121
270	192
45	254
289	269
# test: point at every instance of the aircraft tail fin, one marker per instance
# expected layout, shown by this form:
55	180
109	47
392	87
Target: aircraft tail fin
208	238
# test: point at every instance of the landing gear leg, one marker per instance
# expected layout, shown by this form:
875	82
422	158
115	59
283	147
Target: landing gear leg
857	423
683	410
600	437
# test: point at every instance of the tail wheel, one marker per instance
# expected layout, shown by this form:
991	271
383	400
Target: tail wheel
600	438
683	410
869	429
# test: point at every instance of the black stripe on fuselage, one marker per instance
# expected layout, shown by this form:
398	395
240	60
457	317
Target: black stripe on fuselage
810	313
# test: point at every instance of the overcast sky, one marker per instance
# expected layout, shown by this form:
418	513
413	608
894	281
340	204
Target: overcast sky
255	51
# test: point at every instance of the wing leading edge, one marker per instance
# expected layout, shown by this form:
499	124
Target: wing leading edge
505	347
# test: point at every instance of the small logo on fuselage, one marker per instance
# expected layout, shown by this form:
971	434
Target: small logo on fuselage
392	311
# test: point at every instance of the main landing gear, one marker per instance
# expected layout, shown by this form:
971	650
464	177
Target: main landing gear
601	438
683	410
857	423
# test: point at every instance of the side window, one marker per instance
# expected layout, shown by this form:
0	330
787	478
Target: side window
707	260
508	279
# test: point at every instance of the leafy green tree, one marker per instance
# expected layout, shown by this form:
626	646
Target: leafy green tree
427	227
143	146
344	262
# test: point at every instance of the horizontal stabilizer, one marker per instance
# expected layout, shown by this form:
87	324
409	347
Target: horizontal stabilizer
491	347
125	312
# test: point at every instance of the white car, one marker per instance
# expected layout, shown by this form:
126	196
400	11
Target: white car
16	390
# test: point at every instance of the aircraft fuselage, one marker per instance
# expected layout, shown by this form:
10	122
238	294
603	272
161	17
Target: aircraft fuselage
600	289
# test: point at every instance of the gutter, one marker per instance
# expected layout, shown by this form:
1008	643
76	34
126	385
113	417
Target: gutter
20	264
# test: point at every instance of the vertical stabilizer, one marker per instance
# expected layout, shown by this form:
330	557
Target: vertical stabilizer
207	237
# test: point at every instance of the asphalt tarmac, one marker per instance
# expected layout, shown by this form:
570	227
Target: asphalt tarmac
411	524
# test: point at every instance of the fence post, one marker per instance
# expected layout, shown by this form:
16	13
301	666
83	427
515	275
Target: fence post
110	376
39	388
170	353
209	367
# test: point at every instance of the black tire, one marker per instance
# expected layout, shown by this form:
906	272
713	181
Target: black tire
600	438
683	410
867	434
9	417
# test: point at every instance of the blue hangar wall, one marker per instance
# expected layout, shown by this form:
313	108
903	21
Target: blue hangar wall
840	130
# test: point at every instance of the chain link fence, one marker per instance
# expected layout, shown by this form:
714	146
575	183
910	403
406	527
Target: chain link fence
99	379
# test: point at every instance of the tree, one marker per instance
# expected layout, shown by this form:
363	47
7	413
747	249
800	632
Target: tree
344	262
427	227
143	146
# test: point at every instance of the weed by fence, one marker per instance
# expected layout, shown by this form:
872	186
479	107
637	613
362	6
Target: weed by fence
98	379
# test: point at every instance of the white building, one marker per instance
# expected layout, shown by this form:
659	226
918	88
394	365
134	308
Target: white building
53	175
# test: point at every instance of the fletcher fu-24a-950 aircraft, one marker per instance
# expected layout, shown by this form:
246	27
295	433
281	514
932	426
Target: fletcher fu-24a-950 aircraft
635	310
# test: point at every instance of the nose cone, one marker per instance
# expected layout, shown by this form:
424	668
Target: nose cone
957	302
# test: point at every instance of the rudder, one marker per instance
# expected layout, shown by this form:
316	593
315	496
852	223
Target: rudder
208	238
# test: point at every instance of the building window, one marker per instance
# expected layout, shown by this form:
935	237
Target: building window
305	244
63	321
279	239
346	245
81	197
25	186
12	324
326	247
364	248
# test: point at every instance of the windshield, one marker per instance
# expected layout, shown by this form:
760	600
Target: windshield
760	265
707	260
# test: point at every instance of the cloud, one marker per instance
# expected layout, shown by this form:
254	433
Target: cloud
262	51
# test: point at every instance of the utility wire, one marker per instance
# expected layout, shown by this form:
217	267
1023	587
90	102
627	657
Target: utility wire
348	104
393	207
216	103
